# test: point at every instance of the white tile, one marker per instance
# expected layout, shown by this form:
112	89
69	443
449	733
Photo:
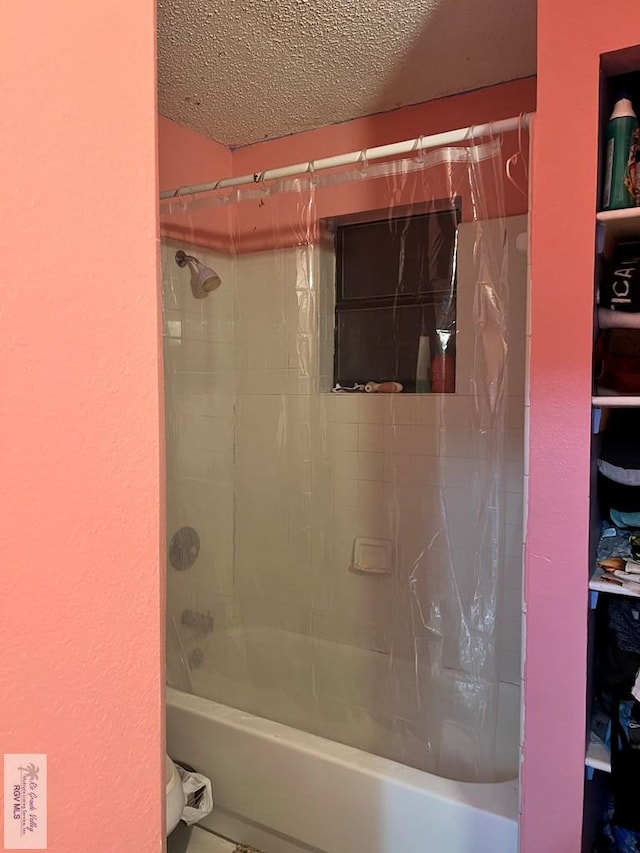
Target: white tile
346	492
211	466
276	381
346	436
373	408
512	604
251	381
515	476
204	433
345	408
401	408
346	462
374	521
512	634
370	466
514	509
513	540
513	571
411	439
300	383
509	665
371	495
514	445
371	438
515	412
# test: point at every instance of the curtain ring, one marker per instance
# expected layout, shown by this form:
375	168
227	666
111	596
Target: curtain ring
511	162
518	159
364	161
311	172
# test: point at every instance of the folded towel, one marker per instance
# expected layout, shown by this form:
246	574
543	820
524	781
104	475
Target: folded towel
608	319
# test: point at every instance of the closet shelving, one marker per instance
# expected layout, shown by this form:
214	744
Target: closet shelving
616	226
598	757
612	228
619	72
596	585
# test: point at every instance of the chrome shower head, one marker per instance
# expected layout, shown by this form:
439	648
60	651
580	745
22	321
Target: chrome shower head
204	280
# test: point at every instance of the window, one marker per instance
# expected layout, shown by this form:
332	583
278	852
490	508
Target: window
395	284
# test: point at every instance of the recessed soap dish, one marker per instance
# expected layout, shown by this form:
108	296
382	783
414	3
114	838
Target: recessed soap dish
372	556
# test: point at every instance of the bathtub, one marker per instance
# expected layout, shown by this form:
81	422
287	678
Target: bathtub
285	791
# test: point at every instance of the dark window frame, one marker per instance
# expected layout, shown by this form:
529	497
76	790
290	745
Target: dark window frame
413	299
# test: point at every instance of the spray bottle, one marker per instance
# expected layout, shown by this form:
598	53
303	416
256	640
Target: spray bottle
619	188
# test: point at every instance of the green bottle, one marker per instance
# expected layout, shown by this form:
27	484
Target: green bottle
619	188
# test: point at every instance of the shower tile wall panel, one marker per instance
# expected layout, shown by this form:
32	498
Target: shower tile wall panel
199	402
279	477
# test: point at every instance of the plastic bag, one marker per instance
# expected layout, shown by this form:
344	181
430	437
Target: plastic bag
197	794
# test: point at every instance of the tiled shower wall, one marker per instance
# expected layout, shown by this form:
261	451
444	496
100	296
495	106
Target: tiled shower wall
279	477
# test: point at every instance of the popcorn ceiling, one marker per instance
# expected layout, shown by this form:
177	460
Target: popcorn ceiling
241	71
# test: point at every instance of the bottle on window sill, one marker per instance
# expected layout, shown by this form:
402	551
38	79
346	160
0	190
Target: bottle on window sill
443	374
443	366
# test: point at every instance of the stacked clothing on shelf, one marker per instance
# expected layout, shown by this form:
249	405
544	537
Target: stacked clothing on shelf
619	469
617	348
616	712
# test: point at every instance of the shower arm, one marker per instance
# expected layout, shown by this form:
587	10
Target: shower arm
182	259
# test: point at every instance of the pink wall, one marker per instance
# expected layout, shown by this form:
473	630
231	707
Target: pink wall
483	105
186	157
81	654
564	203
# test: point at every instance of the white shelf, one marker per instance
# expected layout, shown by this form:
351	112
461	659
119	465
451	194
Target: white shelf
615	401
619	225
598	755
596	585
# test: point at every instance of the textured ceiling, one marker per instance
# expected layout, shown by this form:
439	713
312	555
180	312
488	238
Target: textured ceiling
245	70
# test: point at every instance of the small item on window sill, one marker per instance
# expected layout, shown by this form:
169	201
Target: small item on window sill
369	388
348	389
383	387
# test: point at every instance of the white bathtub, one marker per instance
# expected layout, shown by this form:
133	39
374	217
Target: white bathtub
286	791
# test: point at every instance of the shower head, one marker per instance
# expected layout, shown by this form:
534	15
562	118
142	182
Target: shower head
203	279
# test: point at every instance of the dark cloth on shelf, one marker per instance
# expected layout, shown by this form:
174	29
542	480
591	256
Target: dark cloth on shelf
619	288
616	358
624	620
620	453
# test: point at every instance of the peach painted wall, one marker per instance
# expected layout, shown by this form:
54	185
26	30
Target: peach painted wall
82	639
186	157
490	104
571	36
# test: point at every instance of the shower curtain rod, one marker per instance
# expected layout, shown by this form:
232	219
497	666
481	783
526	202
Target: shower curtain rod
422	143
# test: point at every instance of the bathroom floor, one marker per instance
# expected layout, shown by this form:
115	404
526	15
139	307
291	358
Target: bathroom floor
205	842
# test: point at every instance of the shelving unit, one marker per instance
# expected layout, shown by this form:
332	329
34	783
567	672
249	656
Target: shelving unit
619	72
612	228
598	756
596	586
616	226
605	401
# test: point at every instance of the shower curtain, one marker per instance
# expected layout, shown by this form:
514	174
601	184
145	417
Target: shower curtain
336	554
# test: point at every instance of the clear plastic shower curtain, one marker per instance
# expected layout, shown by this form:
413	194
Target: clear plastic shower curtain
337	555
